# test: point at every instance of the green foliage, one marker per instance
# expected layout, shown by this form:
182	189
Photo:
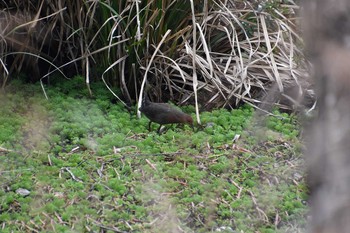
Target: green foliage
103	165
283	123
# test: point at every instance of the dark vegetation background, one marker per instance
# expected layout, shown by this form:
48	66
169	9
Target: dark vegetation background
207	53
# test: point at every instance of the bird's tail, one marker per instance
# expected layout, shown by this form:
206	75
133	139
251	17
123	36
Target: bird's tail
145	100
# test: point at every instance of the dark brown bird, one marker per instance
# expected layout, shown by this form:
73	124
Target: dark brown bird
163	114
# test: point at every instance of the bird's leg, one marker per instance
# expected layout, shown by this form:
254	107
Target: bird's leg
160	126
149	125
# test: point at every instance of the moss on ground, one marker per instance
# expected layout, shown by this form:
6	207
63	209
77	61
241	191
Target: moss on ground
91	166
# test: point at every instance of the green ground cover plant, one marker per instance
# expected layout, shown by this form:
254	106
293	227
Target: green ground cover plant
91	166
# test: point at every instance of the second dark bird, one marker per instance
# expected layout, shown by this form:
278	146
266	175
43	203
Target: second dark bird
163	114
